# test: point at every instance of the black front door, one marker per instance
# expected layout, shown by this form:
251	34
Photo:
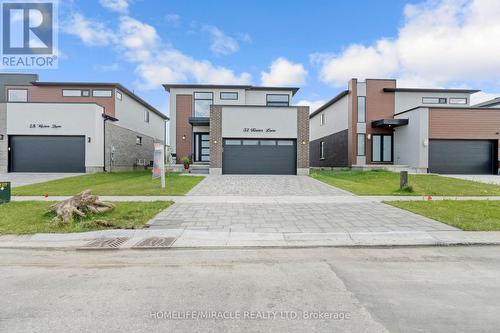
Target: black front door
382	148
201	147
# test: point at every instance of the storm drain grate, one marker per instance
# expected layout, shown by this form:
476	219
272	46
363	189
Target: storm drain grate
105	243
155	243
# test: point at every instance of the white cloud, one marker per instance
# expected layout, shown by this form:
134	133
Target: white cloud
313	105
91	33
441	42
120	6
222	44
173	19
283	72
156	62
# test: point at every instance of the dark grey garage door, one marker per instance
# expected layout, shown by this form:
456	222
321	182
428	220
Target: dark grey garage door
259	157
462	156
47	153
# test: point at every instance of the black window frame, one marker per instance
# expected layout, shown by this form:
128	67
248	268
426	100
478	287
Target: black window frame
463	98
382	148
357	109
277	103
229	92
440	99
138	140
202	99
364	144
322	150
101	91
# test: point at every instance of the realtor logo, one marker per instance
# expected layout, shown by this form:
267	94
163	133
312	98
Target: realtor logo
29	38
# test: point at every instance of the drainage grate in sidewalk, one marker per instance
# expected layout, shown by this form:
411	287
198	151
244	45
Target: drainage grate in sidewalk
105	243
155	243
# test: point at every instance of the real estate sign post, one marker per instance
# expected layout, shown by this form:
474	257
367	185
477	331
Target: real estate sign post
159	163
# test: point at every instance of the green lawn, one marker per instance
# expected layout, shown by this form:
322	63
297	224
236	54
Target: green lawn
378	182
113	183
31	217
466	215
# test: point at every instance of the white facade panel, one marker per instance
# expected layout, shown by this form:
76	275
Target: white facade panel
336	120
411	142
130	115
259	122
408	100
61	119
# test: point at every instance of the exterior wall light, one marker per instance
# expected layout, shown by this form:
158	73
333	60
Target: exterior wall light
89	139
184	137
215	142
369	136
1	137
303	142
426	143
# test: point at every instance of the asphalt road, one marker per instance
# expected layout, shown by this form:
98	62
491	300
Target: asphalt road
453	289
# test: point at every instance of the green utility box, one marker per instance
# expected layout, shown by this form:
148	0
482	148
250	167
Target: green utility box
4	192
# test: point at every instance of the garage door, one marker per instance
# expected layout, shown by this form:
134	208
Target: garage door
261	157
47	153
462	156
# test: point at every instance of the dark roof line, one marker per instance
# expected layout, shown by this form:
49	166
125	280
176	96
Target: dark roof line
330	102
101	84
227	86
448	107
466	91
493	101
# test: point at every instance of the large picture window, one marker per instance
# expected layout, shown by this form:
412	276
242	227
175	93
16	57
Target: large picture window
202	102
17	95
381	148
361	109
277	100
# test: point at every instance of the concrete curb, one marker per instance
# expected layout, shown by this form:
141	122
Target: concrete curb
188	239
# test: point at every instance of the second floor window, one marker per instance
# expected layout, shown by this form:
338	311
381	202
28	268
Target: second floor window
17	95
202	102
361	109
146	116
322	119
277	100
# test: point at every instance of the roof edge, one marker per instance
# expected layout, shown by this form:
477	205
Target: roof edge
330	102
468	91
169	86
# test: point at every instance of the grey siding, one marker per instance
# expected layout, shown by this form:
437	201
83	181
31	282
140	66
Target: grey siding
14	80
121	150
336	152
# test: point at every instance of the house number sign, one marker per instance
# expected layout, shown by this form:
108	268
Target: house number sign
44	126
258	130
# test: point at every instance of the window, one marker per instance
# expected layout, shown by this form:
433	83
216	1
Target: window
456	100
321	150
17	95
102	93
146	116
202	102
361	109
75	93
433	100
361	145
381	148
277	100
229	96
119	95
138	140
322	119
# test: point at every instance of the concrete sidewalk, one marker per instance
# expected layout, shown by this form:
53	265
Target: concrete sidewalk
204	239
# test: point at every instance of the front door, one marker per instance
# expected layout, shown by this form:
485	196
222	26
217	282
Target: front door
382	148
201	147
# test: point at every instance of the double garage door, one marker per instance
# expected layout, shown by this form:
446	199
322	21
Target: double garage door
462	156
46	153
265	157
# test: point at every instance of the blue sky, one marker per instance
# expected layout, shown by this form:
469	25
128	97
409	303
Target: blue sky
317	45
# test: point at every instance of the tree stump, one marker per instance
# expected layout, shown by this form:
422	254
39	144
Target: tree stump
80	205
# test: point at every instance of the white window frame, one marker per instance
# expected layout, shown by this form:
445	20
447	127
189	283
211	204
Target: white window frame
321	150
104	93
23	99
458	100
321	119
